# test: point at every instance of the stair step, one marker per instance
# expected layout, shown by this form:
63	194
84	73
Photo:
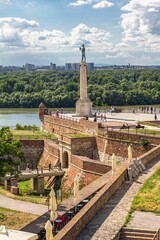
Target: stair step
138	230
143	234
136	238
136	234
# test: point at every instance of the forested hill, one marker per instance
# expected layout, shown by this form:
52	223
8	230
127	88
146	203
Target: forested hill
61	89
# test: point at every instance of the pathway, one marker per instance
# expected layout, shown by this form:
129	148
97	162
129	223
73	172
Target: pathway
106	224
22	206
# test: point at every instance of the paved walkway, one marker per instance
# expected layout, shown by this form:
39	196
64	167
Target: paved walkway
105	225
22	206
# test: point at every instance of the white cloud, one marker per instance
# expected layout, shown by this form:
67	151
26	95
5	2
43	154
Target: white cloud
11	30
5	1
81	2
103	4
99	3
141	25
30	4
22	34
95	39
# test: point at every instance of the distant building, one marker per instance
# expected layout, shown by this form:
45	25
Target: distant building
76	66
90	66
29	67
68	66
52	66
1	68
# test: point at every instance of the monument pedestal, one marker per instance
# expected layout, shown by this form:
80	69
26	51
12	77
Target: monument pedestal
83	107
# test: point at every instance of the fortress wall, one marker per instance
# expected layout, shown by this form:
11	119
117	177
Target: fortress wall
50	153
83	146
132	137
150	155
89	170
81	219
32	150
60	125
119	147
89	165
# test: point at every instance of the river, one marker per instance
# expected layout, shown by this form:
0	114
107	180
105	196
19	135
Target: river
9	117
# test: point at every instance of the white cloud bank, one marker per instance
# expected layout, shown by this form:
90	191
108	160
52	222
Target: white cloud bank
21	35
141	25
140	43
99	3
103	4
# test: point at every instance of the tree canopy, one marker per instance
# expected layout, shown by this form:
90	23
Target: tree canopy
61	88
10	152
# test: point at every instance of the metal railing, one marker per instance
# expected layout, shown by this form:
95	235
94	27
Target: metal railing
157	235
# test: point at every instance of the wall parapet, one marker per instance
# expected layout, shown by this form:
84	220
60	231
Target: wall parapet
150	155
87	165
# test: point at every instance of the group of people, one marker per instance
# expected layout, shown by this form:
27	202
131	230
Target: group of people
103	117
57	112
145	110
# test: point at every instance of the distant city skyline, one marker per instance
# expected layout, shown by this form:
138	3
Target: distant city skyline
114	32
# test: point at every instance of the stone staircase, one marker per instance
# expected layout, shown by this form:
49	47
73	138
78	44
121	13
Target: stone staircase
136	234
135	168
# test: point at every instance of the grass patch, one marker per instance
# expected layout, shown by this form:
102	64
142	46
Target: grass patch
143	131
30	134
15	219
153	124
25	187
128	218
34	197
148	197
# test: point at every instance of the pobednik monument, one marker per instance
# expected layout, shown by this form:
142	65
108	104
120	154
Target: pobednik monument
83	105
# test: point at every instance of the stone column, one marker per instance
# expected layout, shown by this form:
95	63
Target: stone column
83	81
83	105
38	183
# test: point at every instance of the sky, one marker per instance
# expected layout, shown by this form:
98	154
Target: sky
113	31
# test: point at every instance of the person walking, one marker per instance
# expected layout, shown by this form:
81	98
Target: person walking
155	116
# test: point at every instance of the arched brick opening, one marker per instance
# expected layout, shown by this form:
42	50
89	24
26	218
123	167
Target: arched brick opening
65	163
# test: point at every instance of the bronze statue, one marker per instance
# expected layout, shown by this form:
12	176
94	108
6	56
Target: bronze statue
82	49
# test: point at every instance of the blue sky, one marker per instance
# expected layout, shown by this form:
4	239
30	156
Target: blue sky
113	31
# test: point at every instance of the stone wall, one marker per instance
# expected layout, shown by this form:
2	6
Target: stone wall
62	125
150	155
83	146
81	219
32	150
50	153
88	170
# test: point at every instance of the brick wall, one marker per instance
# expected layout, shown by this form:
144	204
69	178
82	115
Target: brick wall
150	155
81	219
89	170
119	147
50	153
60	125
131	137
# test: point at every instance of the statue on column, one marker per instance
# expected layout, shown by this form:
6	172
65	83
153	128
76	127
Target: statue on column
82	49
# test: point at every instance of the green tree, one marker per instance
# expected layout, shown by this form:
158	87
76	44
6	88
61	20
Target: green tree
10	152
